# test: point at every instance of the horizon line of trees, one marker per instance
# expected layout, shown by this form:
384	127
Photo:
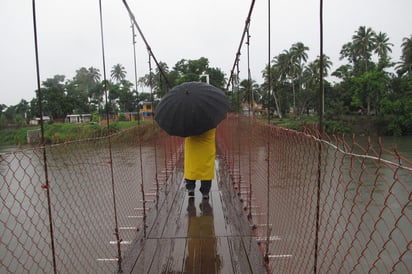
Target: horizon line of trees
370	83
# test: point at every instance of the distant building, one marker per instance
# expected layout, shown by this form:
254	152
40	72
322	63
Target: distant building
247	109
146	110
78	118
36	121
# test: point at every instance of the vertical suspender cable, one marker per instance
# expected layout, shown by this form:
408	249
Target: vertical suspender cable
238	120
116	229
251	115
135	70
320	130
153	123
249	76
138	129
268	232
46	186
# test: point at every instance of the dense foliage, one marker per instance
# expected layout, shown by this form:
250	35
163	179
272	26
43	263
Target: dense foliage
369	84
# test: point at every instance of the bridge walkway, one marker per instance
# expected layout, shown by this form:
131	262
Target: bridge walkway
187	235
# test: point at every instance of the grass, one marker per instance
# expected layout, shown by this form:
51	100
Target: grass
61	132
294	123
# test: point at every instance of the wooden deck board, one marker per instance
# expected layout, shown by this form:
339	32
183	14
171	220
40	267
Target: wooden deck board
195	236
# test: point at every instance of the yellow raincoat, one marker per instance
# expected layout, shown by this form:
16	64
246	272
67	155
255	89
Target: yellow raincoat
200	153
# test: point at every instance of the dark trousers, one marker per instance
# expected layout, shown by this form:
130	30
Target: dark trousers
205	185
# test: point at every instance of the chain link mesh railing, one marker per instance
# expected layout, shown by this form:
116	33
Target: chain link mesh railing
363	223
84	194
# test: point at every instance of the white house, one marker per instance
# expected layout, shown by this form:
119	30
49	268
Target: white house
36	121
78	118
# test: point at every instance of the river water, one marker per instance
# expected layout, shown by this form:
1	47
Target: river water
81	205
403	145
87	192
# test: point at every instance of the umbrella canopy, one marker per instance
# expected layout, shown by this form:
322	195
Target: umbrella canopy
191	108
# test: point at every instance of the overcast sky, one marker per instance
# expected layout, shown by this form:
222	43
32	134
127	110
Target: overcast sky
69	34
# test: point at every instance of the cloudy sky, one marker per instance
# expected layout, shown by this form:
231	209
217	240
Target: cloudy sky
69	34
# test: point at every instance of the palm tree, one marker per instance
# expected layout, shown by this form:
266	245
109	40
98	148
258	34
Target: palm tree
156	81
281	62
298	55
94	75
274	76
363	45
249	91
406	64
382	48
312	74
86	82
118	73
285	69
347	52
327	64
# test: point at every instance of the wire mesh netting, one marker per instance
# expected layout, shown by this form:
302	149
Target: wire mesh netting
85	193
320	204
364	216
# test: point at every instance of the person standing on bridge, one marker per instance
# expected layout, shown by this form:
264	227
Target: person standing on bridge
193	110
199	162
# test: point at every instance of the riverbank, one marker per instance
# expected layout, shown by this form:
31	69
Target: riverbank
63	132
360	125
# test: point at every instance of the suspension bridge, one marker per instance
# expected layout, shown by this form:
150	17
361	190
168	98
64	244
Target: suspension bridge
282	201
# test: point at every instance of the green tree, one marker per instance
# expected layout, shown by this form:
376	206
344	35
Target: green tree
311	82
216	77
118	73
183	71
3	107
54	99
359	52
156	82
126	99
405	66
190	70
375	81
270	97
278	98
363	44
22	107
249	92
298	55
382	48
84	91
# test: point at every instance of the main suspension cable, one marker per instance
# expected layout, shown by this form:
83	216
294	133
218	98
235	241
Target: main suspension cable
238	53
149	49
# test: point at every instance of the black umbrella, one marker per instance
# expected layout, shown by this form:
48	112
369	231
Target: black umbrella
191	108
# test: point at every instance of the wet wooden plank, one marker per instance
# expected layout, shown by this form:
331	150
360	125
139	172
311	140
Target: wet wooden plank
197	236
238	257
142	248
144	259
167	214
178	222
169	256
244	247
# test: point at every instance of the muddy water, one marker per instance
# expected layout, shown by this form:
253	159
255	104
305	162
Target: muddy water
81	202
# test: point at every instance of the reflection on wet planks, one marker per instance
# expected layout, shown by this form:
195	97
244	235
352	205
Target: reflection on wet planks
196	236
